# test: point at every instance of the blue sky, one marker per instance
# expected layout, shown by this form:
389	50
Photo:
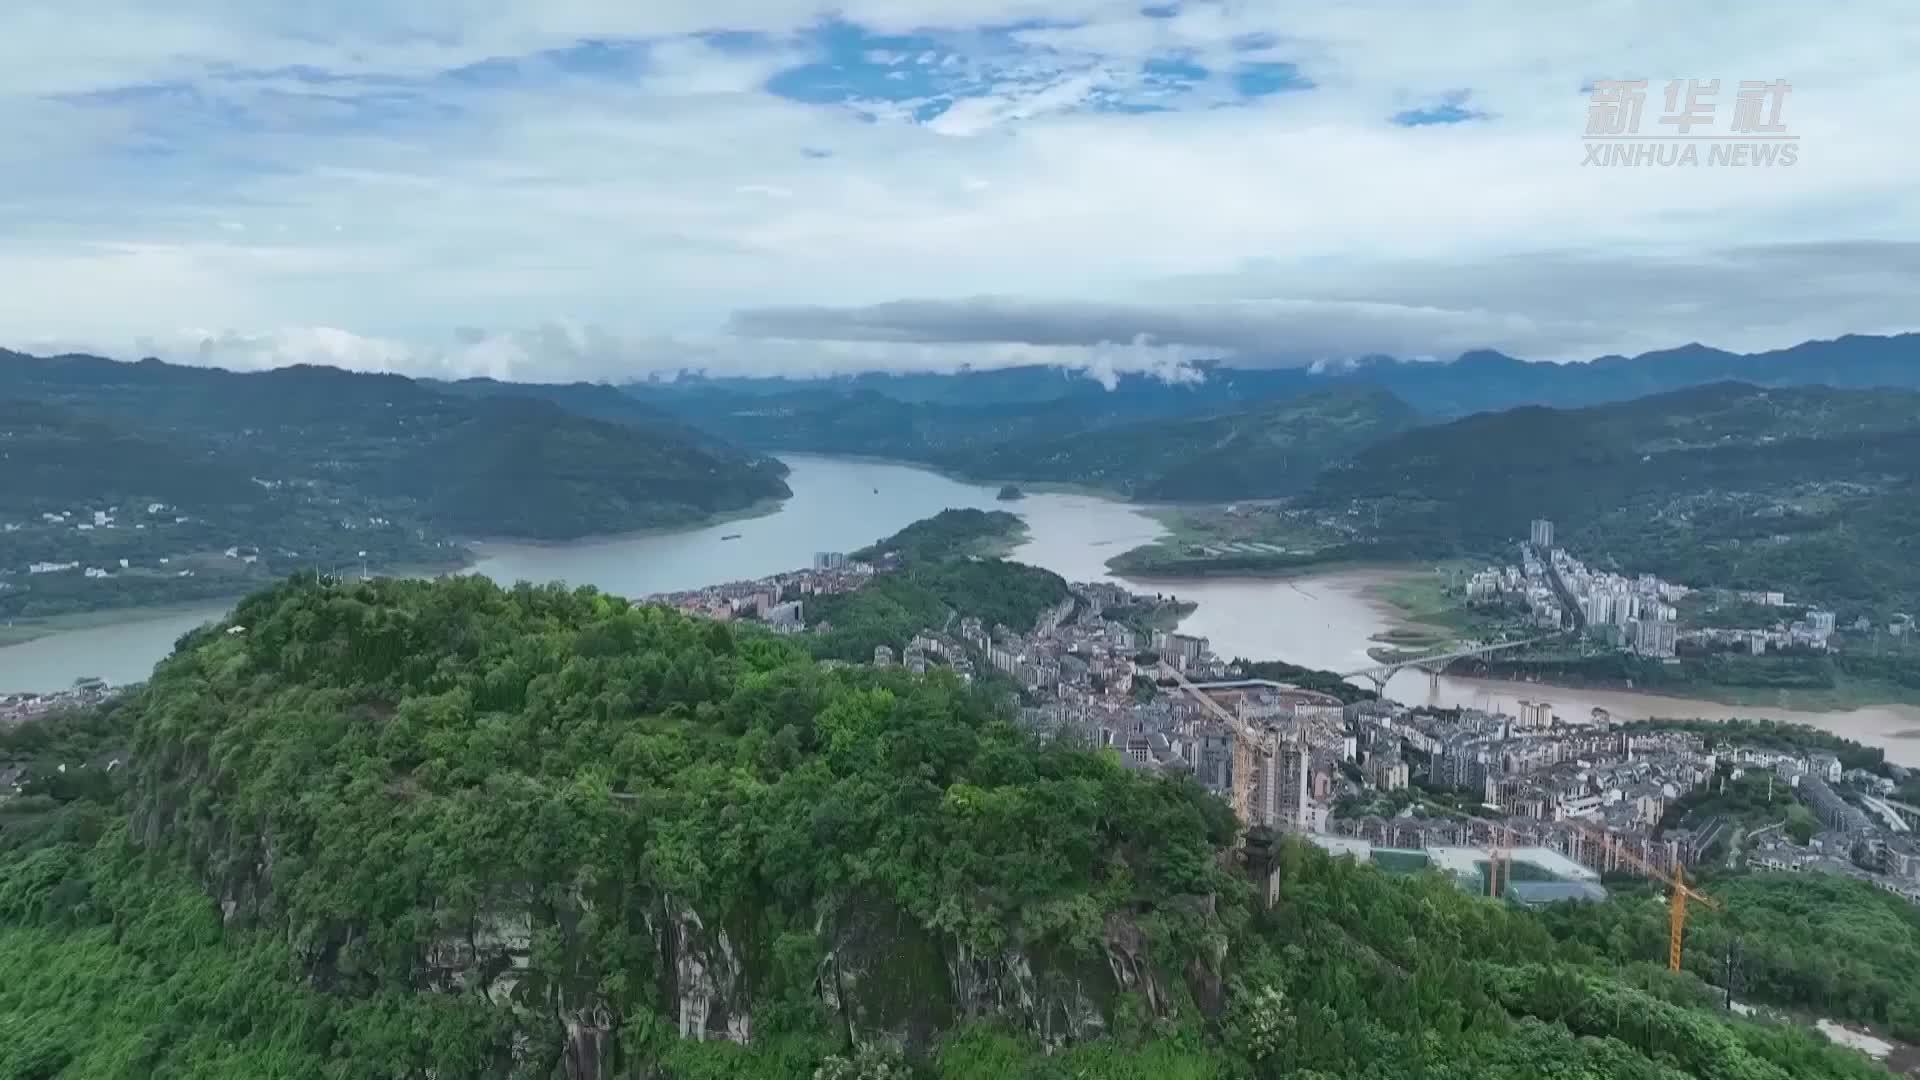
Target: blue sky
593	188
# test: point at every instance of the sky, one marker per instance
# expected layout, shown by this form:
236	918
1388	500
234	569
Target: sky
609	189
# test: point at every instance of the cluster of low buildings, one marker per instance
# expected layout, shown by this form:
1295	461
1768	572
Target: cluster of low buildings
1095	678
1812	631
86	521
929	648
136	518
1084	674
778	600
1599	796
16	709
1864	832
1077	668
1592	793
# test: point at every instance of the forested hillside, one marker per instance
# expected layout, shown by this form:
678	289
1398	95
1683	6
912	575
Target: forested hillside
441	829
547	471
1819	942
50	454
950	534
946	570
310	466
1812	490
522	467
1273	450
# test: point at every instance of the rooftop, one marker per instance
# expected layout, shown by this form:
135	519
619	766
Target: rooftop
1553	892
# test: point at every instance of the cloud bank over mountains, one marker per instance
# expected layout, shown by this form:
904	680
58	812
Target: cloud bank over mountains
594	189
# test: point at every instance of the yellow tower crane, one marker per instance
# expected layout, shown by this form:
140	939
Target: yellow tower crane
1677	899
1501	852
1250	747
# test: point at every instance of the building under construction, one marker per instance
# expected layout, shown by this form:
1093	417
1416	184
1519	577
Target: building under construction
1274	732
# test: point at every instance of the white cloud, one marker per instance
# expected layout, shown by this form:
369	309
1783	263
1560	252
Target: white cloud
655	205
571	352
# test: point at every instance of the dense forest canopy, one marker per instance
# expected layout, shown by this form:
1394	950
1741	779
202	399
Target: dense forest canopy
945	571
923	596
412	829
950	534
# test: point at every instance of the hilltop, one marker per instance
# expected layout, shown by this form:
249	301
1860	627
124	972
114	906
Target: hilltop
409	828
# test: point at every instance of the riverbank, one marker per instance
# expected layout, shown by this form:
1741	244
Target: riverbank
1846	695
1427	618
1120	566
1424	619
1003	545
21	631
1248	538
469	553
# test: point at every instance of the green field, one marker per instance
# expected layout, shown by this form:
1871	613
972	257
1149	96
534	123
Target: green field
1434	615
1259	526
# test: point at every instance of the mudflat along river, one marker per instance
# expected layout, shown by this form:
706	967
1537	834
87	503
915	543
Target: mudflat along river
1324	621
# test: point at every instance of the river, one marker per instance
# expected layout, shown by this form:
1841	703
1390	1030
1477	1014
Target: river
1324	621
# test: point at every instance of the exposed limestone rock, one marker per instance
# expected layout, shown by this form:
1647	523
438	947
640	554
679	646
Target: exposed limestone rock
710	987
884	975
588	1052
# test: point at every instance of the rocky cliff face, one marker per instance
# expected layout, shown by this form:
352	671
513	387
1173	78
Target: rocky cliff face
710	984
880	975
578	847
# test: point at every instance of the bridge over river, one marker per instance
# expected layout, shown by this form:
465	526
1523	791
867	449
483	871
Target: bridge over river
1433	664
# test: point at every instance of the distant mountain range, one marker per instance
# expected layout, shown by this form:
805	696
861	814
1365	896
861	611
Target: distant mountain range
1473	383
1483	381
1039	423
